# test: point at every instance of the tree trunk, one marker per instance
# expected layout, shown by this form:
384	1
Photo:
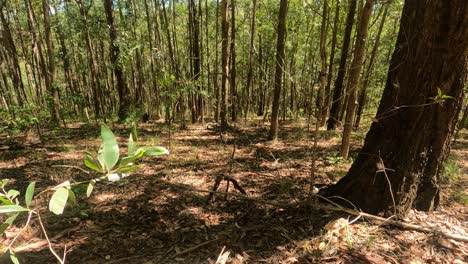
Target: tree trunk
249	85
280	43
409	140
232	72
51	72
122	88
224	62
321	114
331	62
338	88
362	93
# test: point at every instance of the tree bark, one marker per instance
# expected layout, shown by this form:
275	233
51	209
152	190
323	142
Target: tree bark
338	88
321	109
122	88
280	43
224	62
249	85
362	93
332	59
355	74
232	72
403	154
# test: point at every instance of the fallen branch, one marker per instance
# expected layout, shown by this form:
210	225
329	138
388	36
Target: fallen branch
188	250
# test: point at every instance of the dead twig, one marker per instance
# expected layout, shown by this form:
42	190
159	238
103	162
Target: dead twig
188	250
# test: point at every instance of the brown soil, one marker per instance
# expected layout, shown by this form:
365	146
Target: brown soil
150	218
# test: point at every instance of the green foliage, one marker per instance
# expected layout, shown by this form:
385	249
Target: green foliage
107	162
452	171
18	119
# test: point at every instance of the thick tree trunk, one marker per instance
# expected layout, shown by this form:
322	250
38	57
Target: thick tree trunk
279	62
338	88
405	149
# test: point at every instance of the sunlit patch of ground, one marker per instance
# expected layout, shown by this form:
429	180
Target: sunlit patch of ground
154	217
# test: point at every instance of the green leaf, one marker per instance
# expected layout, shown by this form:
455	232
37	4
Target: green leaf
155	151
91	163
128	169
4	183
13	258
58	200
71	197
132	141
6	201
127	160
65	184
109	153
439	92
12	208
12	194
90	188
29	193
7	223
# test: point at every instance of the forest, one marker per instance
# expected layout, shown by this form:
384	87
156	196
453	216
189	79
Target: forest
233	131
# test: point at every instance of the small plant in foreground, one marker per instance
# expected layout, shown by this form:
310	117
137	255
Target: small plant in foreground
106	162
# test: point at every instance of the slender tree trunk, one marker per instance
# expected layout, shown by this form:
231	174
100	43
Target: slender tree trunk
370	67
338	88
122	88
91	61
51	72
224	62
332	59
354	74
280	43
321	108
402	158
11	48
216	69
232	72
249	86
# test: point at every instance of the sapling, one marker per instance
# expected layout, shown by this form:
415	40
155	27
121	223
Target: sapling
107	162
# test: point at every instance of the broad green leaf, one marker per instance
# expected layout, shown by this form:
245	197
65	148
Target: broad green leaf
29	193
13	258
129	169
12	208
7	223
155	151
90	188
71	197
109	153
58	200
91	163
127	160
12	194
6	201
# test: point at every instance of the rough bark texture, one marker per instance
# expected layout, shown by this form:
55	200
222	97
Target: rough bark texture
338	88
407	144
279	69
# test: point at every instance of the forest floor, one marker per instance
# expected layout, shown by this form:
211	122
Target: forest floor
157	216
